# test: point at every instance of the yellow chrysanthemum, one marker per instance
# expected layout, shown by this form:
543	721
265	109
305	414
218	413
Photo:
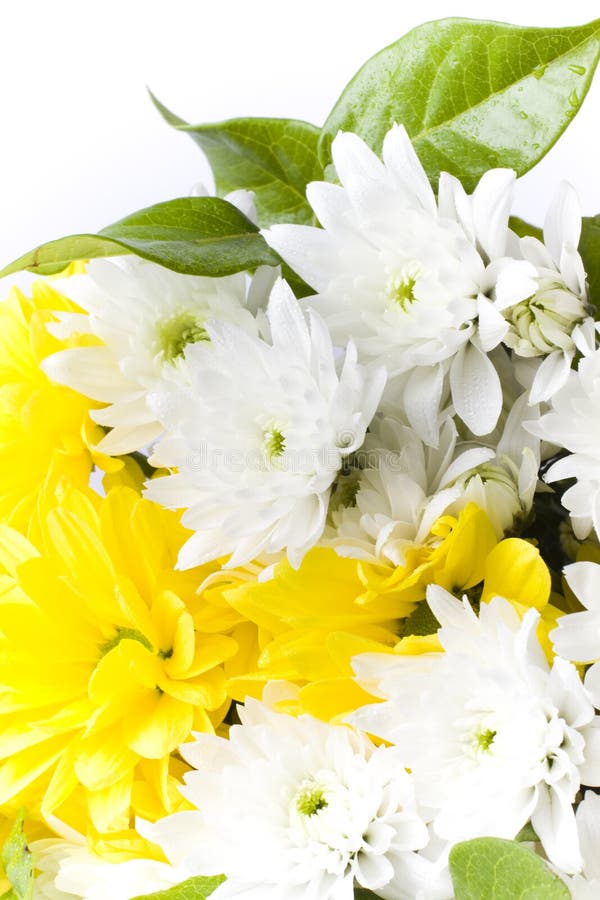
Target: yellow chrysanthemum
108	660
314	620
45	429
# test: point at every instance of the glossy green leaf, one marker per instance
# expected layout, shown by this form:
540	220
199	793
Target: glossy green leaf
194	235
275	158
472	95
17	862
493	867
589	247
362	894
198	888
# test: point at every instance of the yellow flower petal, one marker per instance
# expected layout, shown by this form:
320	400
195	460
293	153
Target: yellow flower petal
101	759
109	807
332	699
515	570
158	725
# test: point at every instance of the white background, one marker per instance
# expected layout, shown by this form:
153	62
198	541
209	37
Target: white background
81	144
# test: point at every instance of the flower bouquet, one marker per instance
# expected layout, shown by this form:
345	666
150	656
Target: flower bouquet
300	509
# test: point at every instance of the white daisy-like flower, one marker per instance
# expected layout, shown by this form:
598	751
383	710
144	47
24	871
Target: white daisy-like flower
293	809
260	434
573	423
544	298
67	869
142	318
402	486
405	279
494	737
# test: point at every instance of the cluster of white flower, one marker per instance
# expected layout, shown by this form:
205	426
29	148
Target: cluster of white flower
430	369
364	411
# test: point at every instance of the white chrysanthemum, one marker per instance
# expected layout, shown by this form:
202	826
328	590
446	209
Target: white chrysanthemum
544	298
586	886
143	318
406	280
260	435
574	424
68	870
291	809
390	503
492	735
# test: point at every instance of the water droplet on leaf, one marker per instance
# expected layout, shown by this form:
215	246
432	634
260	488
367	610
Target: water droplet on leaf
577	70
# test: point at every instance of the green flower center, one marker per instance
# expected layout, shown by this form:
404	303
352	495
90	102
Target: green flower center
311	800
404	292
274	443
485	739
400	288
177	332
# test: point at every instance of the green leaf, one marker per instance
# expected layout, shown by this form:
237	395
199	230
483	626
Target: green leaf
198	888
472	95
275	158
363	894
299	287
589	247
493	867
194	235
524	229
17	862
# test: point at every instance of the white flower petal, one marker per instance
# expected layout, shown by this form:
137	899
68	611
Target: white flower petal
422	396
310	252
554	822
515	282
590	768
476	390
492	200
288	325
588	826
400	158
355	163
584	580
89	370
563	221
453	203
331	206
551	376
491	325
